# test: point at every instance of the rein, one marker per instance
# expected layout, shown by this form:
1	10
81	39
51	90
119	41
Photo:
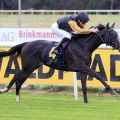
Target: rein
100	37
88	38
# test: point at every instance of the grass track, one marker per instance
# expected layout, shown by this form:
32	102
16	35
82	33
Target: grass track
59	107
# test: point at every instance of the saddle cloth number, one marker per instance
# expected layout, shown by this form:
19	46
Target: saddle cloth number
51	54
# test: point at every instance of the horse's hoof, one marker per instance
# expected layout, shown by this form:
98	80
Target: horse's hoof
3	90
17	98
113	92
85	101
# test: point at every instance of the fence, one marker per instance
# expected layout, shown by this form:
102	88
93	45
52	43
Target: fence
45	18
59	11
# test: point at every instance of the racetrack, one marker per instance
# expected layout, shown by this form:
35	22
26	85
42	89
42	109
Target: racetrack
53	106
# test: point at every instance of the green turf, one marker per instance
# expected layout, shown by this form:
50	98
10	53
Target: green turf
41	20
59	107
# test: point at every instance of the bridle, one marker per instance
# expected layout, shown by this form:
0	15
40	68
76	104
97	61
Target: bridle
102	39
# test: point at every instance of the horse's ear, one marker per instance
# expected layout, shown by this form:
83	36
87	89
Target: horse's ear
107	26
112	26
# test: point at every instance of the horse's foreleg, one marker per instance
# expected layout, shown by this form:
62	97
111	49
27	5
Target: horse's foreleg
100	78
84	88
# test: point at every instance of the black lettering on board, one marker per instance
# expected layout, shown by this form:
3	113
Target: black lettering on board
1	59
32	75
9	69
45	75
97	61
113	59
60	74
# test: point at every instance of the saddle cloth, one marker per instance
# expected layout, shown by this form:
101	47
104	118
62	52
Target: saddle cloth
53	60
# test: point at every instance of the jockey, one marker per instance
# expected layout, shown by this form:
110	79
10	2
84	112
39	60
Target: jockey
65	26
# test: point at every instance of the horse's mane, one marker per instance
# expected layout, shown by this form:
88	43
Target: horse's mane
100	27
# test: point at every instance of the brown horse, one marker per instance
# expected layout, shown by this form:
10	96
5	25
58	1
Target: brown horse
77	57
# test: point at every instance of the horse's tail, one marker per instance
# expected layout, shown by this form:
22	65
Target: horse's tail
16	49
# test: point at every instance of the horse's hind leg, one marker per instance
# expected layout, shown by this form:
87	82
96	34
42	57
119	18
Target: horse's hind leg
6	89
19	79
22	78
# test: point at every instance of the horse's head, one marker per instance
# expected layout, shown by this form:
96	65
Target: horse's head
109	36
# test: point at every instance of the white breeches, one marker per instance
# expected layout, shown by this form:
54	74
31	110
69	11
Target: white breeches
59	32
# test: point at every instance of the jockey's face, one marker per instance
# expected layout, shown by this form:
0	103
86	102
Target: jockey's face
81	23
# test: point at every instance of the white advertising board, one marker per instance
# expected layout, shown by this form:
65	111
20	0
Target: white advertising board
13	36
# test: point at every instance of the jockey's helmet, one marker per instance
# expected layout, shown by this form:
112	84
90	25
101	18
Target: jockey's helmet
82	16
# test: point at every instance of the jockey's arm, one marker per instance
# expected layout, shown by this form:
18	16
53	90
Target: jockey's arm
77	29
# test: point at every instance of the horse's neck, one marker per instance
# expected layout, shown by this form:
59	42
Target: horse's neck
91	43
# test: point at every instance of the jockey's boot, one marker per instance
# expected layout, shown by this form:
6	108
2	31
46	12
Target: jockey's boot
61	45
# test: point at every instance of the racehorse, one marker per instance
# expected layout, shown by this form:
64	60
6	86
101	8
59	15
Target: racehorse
77	57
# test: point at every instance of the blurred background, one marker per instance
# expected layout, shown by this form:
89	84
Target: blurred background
60	4
42	13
